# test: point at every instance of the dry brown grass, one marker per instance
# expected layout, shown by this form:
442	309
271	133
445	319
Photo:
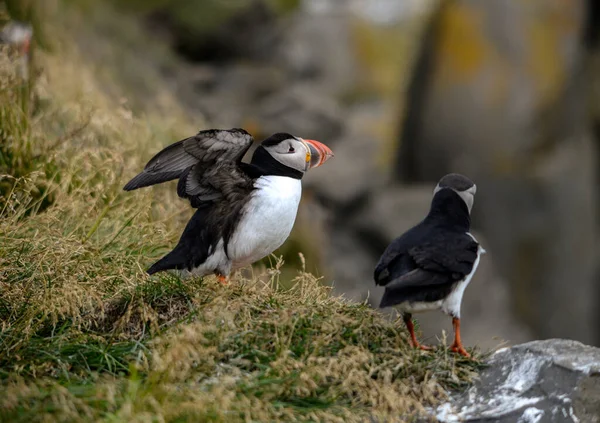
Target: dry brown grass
86	335
112	343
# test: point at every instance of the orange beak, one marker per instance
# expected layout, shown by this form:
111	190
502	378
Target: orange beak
318	154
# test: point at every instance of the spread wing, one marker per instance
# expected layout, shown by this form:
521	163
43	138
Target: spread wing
212	176
225	181
196	157
428	270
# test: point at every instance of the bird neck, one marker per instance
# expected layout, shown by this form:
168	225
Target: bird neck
448	209
263	163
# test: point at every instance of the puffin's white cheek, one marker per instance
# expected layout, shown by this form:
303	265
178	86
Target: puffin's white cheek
468	198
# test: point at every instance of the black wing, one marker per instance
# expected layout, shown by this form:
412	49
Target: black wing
212	176
395	261
196	161
428	272
451	255
391	265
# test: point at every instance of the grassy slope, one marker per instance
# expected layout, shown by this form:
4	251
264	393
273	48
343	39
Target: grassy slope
86	335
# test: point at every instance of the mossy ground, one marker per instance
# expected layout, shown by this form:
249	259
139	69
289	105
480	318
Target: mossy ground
86	335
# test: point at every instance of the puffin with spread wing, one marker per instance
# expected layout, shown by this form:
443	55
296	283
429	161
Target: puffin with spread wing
430	265
244	211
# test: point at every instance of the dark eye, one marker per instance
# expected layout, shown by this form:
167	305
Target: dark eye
291	150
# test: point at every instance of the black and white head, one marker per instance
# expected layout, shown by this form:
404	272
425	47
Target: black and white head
460	184
290	153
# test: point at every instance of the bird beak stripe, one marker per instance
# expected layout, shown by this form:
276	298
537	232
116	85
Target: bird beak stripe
318	154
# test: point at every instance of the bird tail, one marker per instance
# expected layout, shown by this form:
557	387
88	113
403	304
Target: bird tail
193	246
416	285
174	260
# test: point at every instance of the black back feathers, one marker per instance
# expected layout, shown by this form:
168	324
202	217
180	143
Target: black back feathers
426	262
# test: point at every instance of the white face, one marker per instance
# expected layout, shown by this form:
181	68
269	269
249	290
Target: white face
293	152
468	196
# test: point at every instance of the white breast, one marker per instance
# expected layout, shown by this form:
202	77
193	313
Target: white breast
267	220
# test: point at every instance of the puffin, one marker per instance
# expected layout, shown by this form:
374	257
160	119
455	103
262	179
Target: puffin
244	211
430	266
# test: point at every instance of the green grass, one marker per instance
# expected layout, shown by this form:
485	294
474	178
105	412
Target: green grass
86	335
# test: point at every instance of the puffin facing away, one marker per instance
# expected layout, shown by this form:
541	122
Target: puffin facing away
244	211
430	265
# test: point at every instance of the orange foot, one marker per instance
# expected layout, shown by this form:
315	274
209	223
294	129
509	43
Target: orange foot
222	279
460	350
457	345
421	346
413	339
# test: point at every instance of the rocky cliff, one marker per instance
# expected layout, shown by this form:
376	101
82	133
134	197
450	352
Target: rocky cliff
552	381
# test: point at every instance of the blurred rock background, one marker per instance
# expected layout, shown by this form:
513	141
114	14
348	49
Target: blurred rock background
504	91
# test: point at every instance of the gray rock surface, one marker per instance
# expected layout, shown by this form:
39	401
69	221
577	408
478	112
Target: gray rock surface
552	381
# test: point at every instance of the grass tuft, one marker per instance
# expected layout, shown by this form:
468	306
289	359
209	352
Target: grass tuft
80	321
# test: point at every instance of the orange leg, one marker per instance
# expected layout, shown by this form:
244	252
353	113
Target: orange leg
222	279
411	329
457	345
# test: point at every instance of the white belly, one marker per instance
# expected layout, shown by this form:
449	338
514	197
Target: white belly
267	220
419	306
